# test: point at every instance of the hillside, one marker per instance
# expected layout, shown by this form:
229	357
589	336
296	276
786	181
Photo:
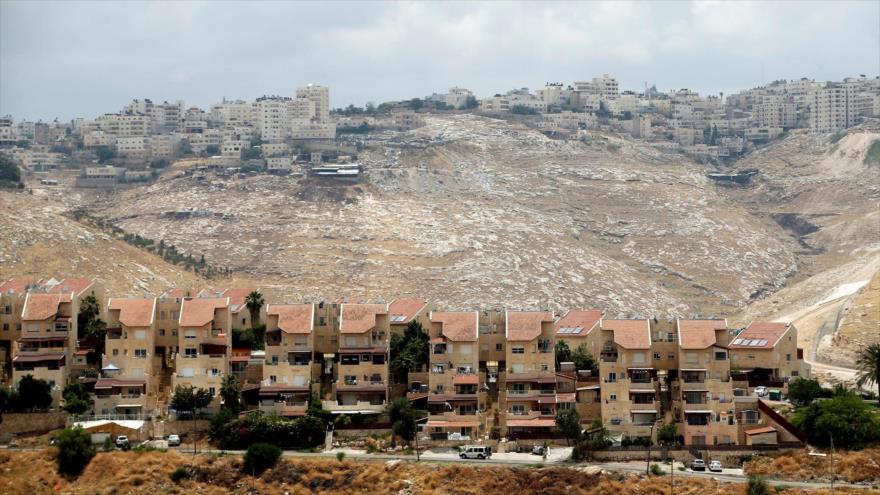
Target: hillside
130	472
37	239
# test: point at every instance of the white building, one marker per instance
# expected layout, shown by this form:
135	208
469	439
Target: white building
832	108
320	95
272	120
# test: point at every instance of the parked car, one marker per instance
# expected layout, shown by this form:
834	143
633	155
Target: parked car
121	441
715	466
698	465
761	391
476	452
53	441
538	450
173	440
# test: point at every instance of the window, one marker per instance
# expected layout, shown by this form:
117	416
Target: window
140	353
161	332
751	356
517	349
115	352
671	355
321	321
638	358
190	334
190	353
499	347
720	356
465	349
140	335
670	337
212	390
350	341
437	368
691	357
242	322
788	357
439	388
6	327
612	397
656	355
161	315
518	409
544	367
612	377
174	332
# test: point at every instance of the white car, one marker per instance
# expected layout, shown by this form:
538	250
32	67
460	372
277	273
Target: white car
715	466
476	452
173	440
121	440
761	391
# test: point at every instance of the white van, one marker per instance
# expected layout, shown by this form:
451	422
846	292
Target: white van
476	452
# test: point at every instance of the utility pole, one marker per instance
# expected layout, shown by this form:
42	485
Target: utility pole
831	457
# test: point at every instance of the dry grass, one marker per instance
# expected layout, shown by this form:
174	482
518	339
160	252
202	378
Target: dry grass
856	467
131	472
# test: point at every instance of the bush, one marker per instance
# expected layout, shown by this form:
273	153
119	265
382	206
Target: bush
803	391
845	417
179	474
340	456
656	471
75	451
260	457
304	432
757	486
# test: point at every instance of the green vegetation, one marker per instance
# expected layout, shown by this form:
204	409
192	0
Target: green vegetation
90	326
256	427
626	441
612	147
415	104
251	338
596	438
845	417
188	400
260	457
403	418
33	394
409	352
159	163
179	474
523	110
75	451
868	363
581	357
803	391
168	252
251	154
230	393
656	471
872	156
76	398
361	129
254	301
10	175
471	102
105	154
757	486
666	434
568	423
340	456
837	137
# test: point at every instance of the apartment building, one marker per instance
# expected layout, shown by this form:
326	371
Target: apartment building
204	343
271	118
492	344
404	311
289	369
320	96
766	353
239	313
454	381
832	108
48	339
361	377
130	370
12	296
580	327
529	393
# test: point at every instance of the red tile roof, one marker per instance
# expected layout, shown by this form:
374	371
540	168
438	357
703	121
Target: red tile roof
293	318
583	319
134	312
37	358
75	285
758	431
17	284
630	334
39	306
200	311
178	293
525	325
359	318
104	383
698	334
457	326
760	335
405	308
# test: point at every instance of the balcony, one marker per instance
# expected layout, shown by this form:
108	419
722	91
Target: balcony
361	407
693	386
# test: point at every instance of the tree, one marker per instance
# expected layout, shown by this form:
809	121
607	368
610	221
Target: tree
563	352
8	398
409	351
89	324
523	110
189	399
10	174
76	398
33	394
316	409
159	163
471	102
230	393
254	301
868	365
415	104
260	457
105	154
251	153
803	391
568	423
757	486
75	451
666	434
845	417
583	360
403	418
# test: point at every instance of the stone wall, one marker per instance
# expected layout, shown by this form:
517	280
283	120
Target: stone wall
41	422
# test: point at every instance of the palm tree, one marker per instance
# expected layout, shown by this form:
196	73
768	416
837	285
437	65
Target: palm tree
868	365
254	301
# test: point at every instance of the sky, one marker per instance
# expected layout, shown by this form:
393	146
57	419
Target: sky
81	59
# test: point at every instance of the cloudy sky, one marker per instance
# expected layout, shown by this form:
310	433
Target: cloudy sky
73	58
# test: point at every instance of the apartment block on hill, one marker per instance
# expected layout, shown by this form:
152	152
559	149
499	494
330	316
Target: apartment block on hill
204	343
361	377
289	370
529	393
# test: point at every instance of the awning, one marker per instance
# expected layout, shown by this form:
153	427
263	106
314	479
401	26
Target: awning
438	340
759	431
360	388
698	412
329	355
37	358
239	359
565	398
438	423
547	400
642	391
588	387
645	411
531	423
470	379
641	369
355	412
437	398
694	369
128	406
364	350
110	367
105	383
269	391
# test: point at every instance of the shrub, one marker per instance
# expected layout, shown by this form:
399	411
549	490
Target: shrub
340	456
757	486
179	474
75	451
260	457
656	471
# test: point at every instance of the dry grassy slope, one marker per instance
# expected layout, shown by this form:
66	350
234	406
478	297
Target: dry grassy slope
470	211
130	472
36	239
